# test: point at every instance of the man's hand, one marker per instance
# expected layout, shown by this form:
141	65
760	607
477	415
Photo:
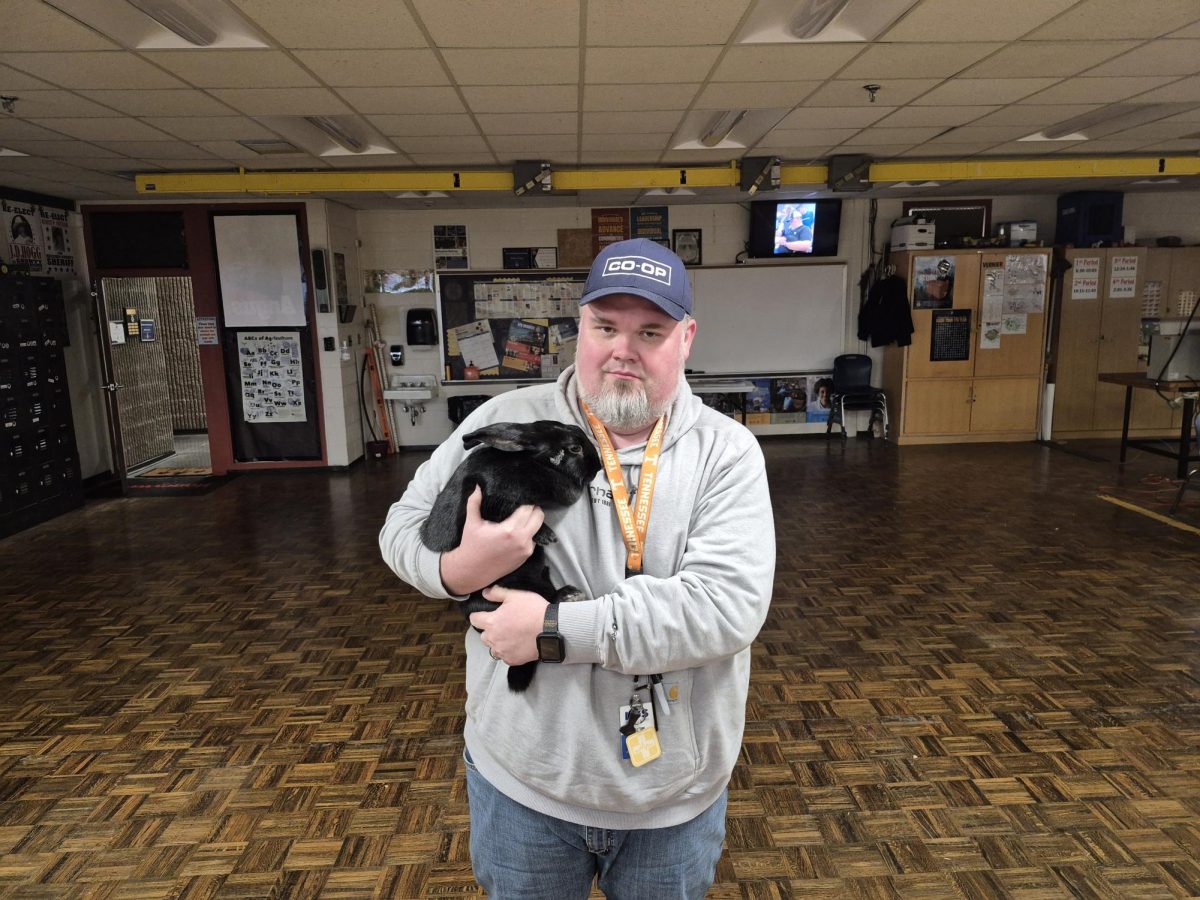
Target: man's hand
489	550
511	631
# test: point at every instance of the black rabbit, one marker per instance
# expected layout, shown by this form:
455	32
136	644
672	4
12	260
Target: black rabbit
547	464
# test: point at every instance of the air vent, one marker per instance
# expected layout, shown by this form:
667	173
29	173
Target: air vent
270	147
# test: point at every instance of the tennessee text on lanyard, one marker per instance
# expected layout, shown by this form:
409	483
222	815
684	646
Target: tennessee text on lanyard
635	524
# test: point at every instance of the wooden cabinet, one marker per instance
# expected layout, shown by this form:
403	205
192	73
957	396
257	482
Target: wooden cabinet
992	394
1106	295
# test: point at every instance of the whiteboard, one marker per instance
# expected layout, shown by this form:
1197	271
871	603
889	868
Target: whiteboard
258	262
780	318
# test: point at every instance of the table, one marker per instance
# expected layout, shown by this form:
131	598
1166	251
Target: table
1187	389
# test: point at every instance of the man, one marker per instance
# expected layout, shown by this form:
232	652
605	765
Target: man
795	233
563	780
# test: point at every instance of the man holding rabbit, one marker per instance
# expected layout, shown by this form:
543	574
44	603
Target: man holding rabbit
615	762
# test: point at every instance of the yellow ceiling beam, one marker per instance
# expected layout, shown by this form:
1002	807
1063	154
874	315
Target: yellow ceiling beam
1064	167
450	181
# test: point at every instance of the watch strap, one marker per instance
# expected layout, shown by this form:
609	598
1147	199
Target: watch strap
550	622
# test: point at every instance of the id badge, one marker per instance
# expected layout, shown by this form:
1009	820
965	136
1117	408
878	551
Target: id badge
645	724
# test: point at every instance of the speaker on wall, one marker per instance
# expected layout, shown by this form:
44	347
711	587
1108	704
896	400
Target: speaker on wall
321	280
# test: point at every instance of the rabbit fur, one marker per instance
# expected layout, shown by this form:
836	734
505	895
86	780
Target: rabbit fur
545	463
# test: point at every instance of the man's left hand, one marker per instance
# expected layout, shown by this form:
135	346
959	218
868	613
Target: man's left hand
511	631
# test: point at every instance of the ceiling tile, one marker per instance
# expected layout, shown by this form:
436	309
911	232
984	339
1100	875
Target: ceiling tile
1047	58
422	125
95	70
631	122
447	144
67	149
1191	115
233	68
1027	148
528	123
36	26
40	104
551	98
456	159
880	62
1162	57
804	137
935	115
18	129
700	157
501	23
111	163
12	80
1036	116
374	68
851	93
949	149
635	65
1156	131
1189	31
755	94
656	142
401	100
973	20
109	129
371	161
833	117
616	157
234	150
896	135
1102	146
159	149
966	91
160	103
768	62
1185	90
551	65
622	23
1098	19
531	146
1096	90
792	153
208	128
875	151
358	24
638	96
991	134
1182	145
283	101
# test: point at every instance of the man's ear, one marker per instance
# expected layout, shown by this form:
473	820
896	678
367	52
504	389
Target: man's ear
689	334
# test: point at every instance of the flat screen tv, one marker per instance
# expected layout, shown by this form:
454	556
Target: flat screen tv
781	228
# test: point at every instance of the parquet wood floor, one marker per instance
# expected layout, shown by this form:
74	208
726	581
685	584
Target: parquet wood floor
977	680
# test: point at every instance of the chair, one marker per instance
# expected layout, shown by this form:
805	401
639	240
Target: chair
852	390
1188	479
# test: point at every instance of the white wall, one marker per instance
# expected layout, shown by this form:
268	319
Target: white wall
1156	215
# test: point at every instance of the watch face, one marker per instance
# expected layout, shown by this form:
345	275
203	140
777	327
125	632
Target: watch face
551	648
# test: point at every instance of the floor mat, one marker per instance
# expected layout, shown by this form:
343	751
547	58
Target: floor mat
175	487
172	471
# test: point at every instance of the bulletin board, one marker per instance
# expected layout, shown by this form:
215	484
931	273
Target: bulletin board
510	325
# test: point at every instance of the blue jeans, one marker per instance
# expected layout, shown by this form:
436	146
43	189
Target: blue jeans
519	854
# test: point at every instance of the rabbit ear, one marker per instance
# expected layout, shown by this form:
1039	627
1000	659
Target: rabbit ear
503	436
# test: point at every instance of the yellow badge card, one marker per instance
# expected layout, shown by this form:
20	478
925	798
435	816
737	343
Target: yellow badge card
643	746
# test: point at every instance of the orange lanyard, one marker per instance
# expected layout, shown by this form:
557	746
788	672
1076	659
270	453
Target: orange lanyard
633	524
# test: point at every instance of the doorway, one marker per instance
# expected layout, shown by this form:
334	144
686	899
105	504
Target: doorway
155	391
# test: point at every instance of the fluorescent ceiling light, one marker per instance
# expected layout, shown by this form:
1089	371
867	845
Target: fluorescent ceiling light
922	184
177	19
1106	121
1042	136
337	132
795	21
813	16
670	192
165	24
1157	181
5	151
719	128
421	195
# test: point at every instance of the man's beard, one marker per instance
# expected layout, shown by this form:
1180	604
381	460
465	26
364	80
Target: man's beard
623	405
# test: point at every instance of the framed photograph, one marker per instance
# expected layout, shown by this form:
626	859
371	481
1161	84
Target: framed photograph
686	242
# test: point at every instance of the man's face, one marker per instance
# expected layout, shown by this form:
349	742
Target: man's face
629	349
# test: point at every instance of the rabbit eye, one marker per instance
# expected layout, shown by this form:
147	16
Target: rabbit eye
574	449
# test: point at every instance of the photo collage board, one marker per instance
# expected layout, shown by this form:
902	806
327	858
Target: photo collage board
782	400
507	325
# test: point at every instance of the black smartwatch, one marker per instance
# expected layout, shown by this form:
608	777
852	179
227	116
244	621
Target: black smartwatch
551	647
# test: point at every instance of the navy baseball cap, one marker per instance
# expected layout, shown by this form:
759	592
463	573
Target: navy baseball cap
642	268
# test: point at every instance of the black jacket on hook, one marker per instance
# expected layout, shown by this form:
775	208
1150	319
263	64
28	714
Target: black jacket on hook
884	318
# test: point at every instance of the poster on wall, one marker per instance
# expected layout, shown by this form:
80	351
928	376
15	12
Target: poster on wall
272	383
951	341
56	240
933	282
820	398
608	227
650	222
1024	283
22	236
450	247
1122	280
1085	278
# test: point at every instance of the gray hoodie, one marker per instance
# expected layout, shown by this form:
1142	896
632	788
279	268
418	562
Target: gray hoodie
690	616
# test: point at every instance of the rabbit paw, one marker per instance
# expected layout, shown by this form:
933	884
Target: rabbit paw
545	535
